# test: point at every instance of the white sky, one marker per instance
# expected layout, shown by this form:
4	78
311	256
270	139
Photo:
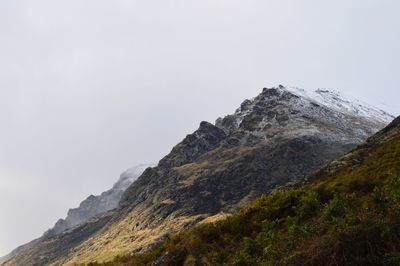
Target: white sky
89	88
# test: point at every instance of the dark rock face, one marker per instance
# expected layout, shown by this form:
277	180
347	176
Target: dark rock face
276	138
206	138
193	146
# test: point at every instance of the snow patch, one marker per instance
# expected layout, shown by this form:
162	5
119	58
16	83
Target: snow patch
335	100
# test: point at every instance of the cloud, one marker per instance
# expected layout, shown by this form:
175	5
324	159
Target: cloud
90	88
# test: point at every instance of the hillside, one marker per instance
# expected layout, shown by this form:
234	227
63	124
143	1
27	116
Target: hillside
349	215
271	140
90	207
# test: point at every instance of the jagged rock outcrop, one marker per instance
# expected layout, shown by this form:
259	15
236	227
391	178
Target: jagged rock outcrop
206	138
277	137
95	205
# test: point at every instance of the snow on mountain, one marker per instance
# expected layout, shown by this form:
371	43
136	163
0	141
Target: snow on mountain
335	100
331	99
289	112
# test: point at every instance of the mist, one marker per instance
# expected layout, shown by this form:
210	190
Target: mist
91	88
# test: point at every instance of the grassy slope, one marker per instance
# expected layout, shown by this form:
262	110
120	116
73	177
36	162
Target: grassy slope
349	217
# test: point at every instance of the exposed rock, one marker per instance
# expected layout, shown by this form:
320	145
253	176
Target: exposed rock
95	205
206	138
89	208
279	136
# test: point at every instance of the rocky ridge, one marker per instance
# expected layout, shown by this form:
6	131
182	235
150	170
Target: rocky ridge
347	213
89	208
277	137
95	205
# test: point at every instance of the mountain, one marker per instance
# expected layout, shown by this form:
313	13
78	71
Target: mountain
347	213
279	136
17	251
95	205
90	207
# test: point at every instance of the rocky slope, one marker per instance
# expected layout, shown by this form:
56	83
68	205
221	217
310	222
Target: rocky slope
95	205
90	207
17	251
277	137
347	214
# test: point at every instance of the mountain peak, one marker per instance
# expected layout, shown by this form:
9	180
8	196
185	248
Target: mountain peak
283	109
334	99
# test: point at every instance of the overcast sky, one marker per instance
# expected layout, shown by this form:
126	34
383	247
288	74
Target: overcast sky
89	88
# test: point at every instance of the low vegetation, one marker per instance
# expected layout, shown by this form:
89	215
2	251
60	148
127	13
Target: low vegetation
351	217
